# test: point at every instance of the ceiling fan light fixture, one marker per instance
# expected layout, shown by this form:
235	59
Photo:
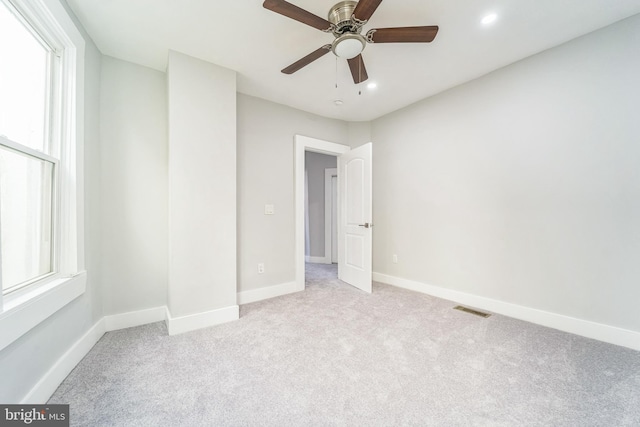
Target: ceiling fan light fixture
348	46
345	21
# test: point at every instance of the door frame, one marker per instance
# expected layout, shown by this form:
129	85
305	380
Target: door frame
329	173
304	143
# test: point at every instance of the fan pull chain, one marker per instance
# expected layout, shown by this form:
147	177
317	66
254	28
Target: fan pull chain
336	72
360	74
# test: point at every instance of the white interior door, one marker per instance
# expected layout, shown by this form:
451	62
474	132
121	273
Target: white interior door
355	211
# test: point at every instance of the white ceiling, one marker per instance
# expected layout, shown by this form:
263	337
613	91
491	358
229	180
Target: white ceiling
258	43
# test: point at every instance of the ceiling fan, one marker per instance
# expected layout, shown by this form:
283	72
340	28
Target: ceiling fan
345	20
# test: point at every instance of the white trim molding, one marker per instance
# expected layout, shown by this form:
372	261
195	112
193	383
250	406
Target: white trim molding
585	328
254	295
317	259
43	390
115	322
191	322
46	386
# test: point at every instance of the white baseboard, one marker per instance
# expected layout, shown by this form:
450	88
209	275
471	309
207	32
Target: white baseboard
317	259
135	318
178	325
260	294
47	385
585	328
50	381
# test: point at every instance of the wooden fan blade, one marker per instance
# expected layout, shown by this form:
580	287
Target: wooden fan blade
358	71
365	9
307	59
403	34
294	12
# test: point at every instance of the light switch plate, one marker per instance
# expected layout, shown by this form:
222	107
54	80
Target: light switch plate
269	210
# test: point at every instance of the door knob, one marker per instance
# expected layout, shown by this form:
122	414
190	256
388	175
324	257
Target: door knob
365	225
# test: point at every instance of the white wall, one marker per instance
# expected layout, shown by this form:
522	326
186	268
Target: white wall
265	176
202	187
524	185
24	362
315	165
133	132
359	133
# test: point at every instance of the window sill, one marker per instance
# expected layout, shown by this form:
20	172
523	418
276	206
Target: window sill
22	314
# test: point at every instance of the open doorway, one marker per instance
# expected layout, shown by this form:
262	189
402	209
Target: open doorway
321	212
321	175
354	210
305	146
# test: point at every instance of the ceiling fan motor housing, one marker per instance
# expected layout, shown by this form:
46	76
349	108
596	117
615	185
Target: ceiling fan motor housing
349	42
341	16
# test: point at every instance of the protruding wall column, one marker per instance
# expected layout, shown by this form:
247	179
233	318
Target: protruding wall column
202	194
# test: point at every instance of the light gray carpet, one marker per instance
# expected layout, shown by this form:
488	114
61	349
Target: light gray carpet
333	355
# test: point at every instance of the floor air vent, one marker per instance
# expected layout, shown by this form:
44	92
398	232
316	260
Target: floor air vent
471	311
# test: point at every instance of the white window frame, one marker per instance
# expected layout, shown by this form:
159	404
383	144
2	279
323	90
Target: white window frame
25	308
25	288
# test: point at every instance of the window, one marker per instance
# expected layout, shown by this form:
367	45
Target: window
41	116
28	152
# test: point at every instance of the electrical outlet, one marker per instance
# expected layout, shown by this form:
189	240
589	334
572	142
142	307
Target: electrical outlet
394	259
260	268
269	210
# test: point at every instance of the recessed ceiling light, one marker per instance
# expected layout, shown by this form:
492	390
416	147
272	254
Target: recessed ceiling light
338	102
372	85
489	19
